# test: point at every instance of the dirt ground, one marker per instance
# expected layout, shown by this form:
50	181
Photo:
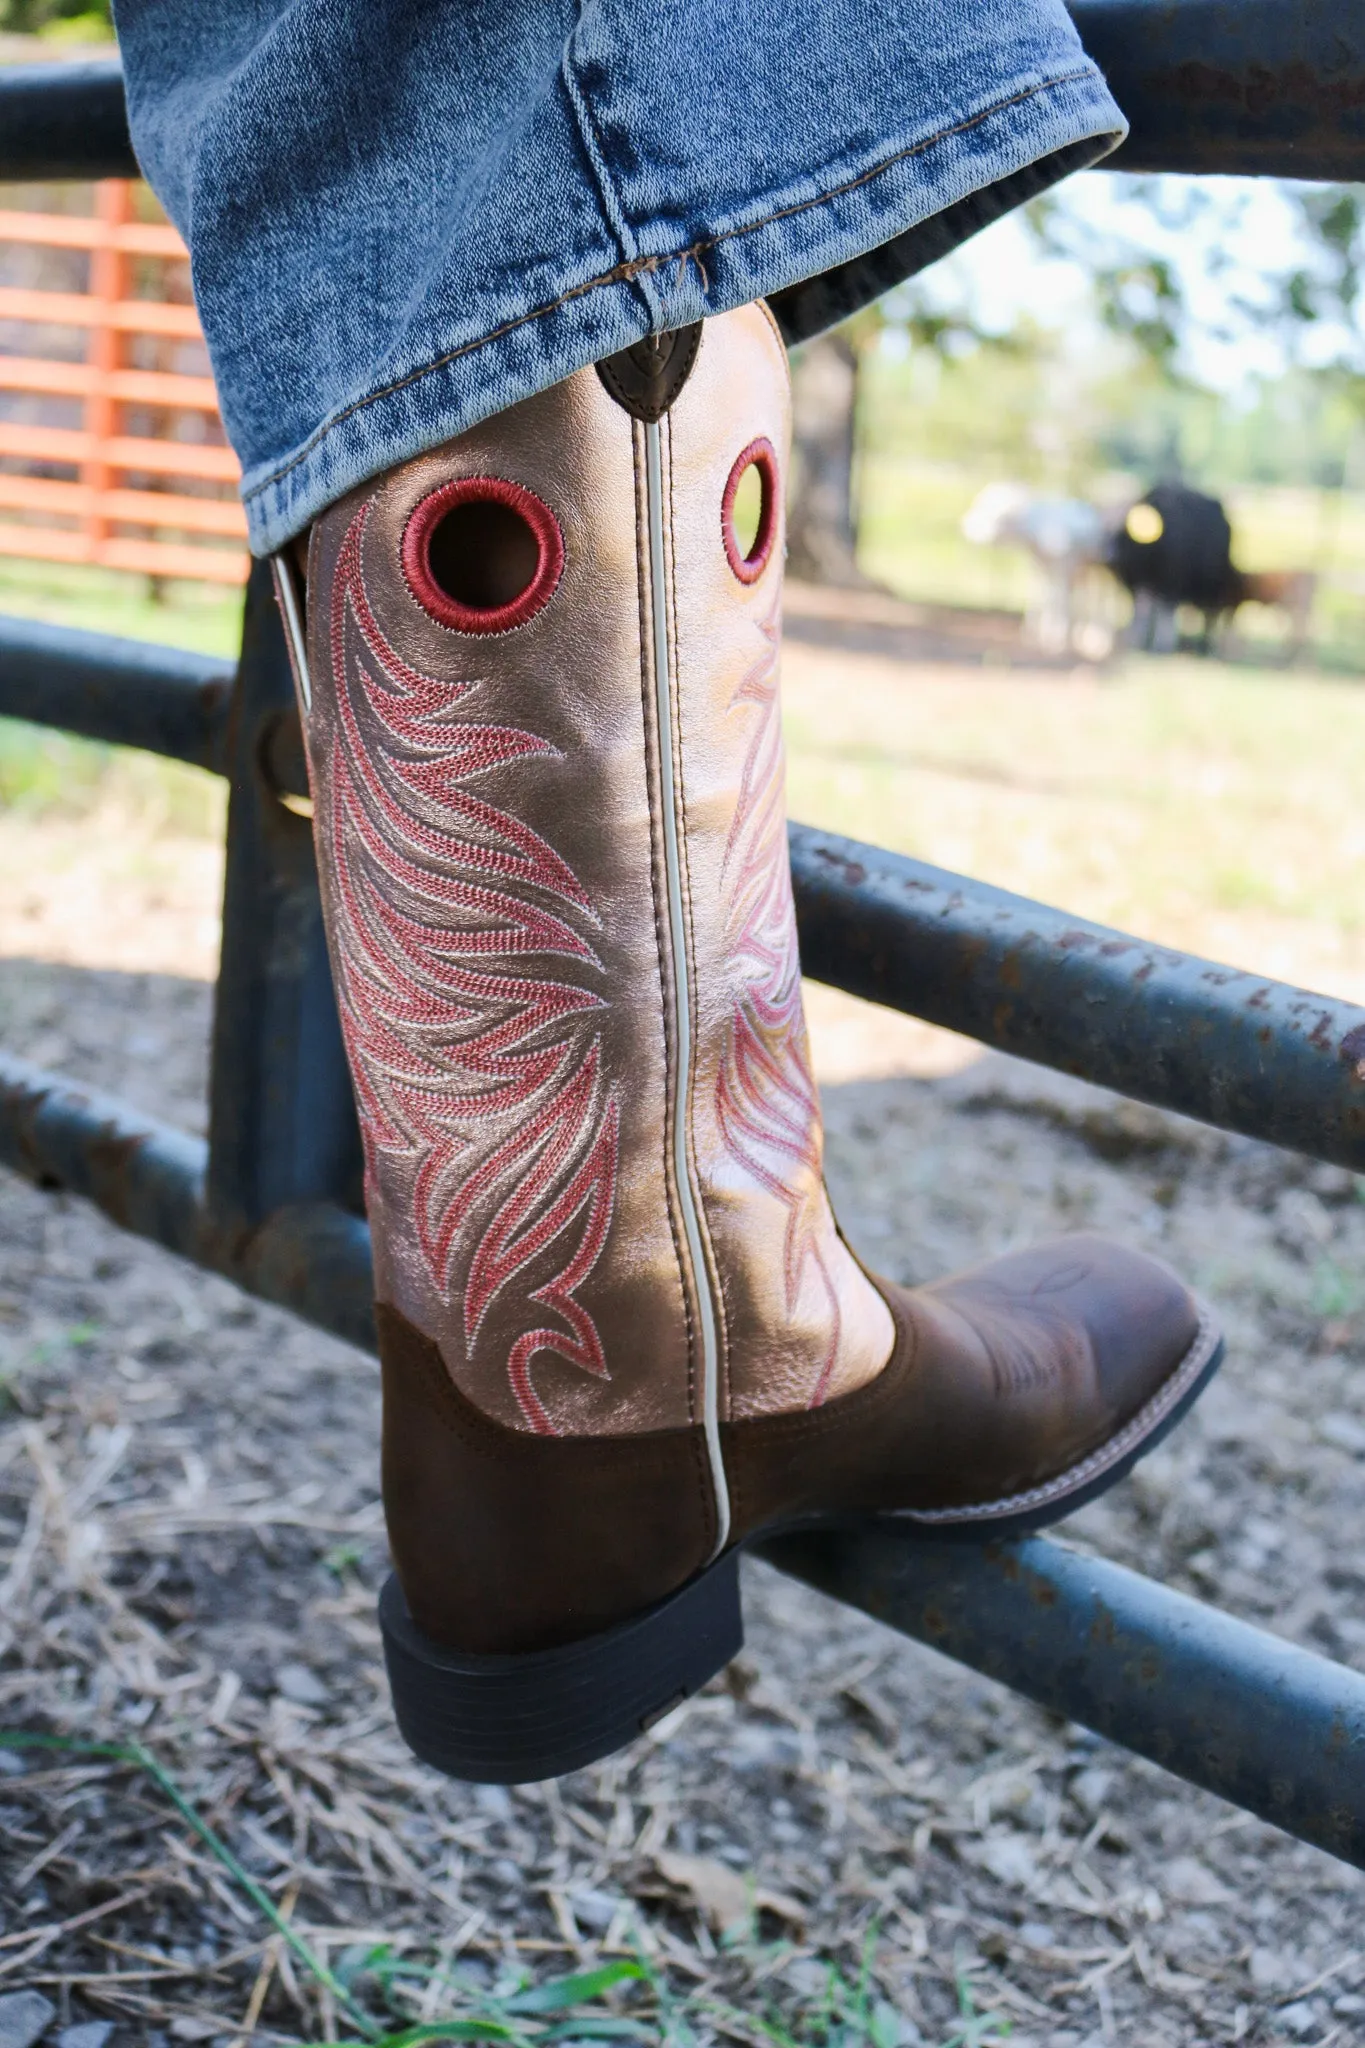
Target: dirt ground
847	1839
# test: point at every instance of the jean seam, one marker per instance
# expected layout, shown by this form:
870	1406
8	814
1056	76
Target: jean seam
631	270
608	197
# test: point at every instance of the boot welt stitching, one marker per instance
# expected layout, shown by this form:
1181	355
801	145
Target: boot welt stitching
1108	1454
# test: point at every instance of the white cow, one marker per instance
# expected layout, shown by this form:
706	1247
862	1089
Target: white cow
1066	538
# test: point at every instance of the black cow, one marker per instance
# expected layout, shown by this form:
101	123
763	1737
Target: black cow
1176	548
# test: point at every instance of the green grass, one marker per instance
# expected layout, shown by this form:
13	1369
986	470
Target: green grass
911	540
50	773
201	616
380	1986
931	435
1217	809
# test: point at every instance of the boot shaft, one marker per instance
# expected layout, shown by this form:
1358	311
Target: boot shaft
546	758
541	704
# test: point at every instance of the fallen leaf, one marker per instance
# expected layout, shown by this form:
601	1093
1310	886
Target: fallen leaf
725	1898
722	1896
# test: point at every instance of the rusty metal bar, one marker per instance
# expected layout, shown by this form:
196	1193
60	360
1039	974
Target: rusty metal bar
1273	1728
1230	1048
1259	87
1258	1721
1274	88
126	692
1208	1041
311	1257
1224	1705
282	1121
65	121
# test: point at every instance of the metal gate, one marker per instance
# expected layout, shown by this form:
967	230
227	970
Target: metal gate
273	1198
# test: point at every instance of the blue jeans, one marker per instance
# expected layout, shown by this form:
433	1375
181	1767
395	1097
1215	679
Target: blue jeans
405	215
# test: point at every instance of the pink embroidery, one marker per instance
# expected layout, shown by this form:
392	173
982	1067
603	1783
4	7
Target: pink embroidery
766	1100
444	1030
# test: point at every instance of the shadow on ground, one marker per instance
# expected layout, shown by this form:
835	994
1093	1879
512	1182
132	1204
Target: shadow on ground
190	1544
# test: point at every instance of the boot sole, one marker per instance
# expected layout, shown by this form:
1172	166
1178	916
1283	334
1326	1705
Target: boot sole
519	1719
513	1720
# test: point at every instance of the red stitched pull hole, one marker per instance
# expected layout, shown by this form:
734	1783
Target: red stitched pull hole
482	555
748	512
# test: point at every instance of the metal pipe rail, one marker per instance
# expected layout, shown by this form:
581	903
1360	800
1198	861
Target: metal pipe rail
151	1179
271	1201
1207	1041
65	121
1268	88
1232	1049
126	692
1277	1730
1258	87
1274	1728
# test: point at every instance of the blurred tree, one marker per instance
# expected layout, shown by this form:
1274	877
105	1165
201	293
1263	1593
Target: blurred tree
1172	269
74	20
1142	280
1328	291
822	511
1136	291
822	535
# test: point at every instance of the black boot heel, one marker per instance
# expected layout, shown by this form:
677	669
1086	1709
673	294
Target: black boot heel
511	1720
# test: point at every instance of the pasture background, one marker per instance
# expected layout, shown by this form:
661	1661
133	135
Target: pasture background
846	1843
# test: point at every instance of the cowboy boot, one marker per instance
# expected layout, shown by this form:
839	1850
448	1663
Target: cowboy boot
621	1334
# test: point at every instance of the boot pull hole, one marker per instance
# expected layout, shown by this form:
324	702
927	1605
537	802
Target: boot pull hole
482	555
748	516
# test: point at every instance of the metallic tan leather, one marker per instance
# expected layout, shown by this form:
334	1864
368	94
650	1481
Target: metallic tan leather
489	822
801	1322
572	681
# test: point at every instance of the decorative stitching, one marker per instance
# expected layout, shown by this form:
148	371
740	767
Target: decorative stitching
717	1281
766	310
606	190
701	1453
493	1442
437	1015
628	272
415	564
849	1411
767	1106
1099	1461
761	456
634	394
660	942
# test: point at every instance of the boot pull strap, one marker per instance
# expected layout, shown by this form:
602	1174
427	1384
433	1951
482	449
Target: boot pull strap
646	377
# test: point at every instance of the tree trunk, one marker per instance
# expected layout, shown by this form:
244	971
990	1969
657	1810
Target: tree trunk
822	540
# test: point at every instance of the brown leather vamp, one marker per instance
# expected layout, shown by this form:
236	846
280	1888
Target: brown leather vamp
1001	1381
506	1541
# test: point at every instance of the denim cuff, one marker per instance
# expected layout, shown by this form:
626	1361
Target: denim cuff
377	272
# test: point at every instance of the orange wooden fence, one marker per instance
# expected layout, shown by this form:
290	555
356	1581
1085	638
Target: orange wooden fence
119	480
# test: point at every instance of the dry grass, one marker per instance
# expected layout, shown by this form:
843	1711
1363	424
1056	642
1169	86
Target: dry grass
1216	809
846	1843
